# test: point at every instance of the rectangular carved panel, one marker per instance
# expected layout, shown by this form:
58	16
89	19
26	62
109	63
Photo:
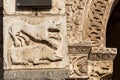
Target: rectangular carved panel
35	43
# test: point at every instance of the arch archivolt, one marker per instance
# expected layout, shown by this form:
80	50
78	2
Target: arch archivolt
97	15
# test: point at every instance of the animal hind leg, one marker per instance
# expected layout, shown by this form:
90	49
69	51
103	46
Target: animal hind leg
15	59
26	38
16	42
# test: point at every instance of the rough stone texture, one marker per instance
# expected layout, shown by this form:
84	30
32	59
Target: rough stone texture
35	39
100	64
106	54
31	42
58	7
78	65
48	74
100	70
97	15
75	18
78	54
79	49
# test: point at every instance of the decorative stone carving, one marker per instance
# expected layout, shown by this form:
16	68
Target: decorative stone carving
100	70
96	21
78	54
100	64
102	54
35	45
78	66
33	55
38	33
79	49
104	50
75	17
36	40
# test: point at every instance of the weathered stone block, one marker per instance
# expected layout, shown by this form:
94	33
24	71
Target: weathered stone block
104	54
100	64
78	66
35	42
58	7
10	8
80	48
75	20
78	54
48	74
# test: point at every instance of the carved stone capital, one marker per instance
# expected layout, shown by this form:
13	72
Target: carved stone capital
100	63
78	66
78	54
100	70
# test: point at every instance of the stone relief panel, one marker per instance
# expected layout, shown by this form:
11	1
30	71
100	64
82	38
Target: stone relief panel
75	17
58	7
95	25
34	43
100	70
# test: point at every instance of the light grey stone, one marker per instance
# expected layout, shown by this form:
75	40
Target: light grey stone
35	43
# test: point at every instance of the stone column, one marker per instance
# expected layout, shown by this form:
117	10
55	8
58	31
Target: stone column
35	46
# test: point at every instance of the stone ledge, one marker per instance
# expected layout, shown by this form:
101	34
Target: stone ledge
104	50
79	49
102	54
46	74
101	57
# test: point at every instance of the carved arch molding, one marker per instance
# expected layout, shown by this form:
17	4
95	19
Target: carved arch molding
87	20
97	16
